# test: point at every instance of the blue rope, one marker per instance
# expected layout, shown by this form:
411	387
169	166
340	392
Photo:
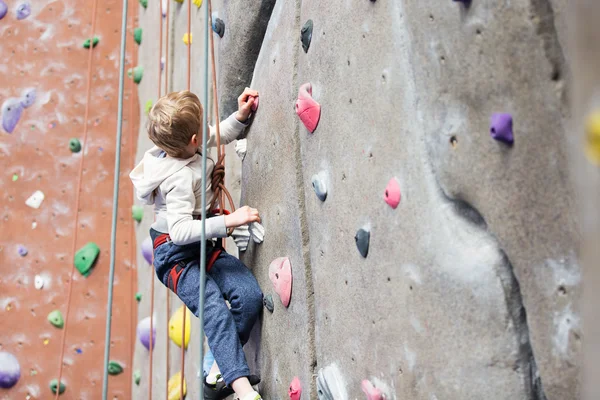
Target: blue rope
113	233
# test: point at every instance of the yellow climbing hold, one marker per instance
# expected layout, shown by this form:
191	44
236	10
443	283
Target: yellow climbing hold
179	1
175	327
46	341
592	138
198	3
187	38
174	387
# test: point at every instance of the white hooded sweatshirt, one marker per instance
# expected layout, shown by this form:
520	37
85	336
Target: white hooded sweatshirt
175	188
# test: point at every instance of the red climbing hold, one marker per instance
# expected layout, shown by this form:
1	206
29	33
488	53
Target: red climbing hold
371	391
392	193
295	390
255	103
280	273
307	108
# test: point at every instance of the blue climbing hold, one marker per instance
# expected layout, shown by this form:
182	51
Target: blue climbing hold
10	370
219	27
501	128
3	9
23	10
28	97
11	114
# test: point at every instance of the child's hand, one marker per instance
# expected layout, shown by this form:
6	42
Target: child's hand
242	216
245	103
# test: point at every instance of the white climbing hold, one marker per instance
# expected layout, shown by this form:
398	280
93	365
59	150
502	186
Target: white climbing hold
241	237
257	231
331	384
241	147
35	200
164	7
38	282
33	225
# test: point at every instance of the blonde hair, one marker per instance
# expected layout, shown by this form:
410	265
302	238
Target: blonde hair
173	120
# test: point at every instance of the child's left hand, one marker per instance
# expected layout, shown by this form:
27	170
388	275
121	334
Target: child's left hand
245	103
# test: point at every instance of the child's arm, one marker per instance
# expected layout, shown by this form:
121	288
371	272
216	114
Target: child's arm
234	125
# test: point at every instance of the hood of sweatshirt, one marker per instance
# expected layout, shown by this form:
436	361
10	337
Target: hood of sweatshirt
153	170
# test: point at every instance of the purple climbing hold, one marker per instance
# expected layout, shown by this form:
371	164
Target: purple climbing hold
10	370
22	250
11	113
501	128
3	9
23	10
28	97
143	331
147	249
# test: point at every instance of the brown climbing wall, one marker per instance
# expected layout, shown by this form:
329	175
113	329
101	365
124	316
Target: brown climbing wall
44	51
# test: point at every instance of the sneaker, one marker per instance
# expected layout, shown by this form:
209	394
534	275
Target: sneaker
220	390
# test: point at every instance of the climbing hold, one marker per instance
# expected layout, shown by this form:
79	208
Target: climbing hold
392	193
137	377
175	331
197	3
241	237
174	387
592	138
147	248
371	391
307	108
257	231
15	177
137	35
137	73
94	42
28	97
138	297
319	185
38	282
56	319
306	35
280	273
114	368
86	257
35	200
179	1
295	390
162	63
143	331
163	7
78	350
148	106
74	145
330	384
22	250
254	102
10	370
362	241
3	9
11	114
241	146
144	3
218	26
23	10
501	128
137	213
55	387
187	38
268	303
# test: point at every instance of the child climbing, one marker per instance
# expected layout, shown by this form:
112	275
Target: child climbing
169	176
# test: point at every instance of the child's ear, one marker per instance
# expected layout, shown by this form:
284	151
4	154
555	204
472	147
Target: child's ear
194	140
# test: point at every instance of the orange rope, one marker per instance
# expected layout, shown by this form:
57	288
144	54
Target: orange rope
78	195
168	291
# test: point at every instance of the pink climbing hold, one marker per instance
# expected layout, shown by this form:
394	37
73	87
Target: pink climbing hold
295	390
371	391
255	104
280	273
307	108
392	193
147	249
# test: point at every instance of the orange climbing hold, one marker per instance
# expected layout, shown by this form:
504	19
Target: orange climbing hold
307	108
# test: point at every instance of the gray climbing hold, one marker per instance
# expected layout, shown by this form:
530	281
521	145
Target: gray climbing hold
3	9
22	250
319	185
306	35
268	303
362	241
56	319
28	97
330	384
218	27
55	387
74	145
23	10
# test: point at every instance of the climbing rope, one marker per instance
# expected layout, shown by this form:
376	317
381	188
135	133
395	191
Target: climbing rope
115	210
167	290
78	195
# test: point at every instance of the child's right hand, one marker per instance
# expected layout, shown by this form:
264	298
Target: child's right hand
242	216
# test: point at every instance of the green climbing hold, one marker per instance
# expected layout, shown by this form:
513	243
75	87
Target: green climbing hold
86	257
137	35
137	377
54	386
148	107
15	177
74	145
138	297
56	319
137	213
137	73
144	3
114	368
95	42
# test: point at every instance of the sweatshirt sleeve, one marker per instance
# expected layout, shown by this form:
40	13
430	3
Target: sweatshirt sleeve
231	128
180	201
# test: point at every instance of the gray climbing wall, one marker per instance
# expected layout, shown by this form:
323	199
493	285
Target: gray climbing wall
471	286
